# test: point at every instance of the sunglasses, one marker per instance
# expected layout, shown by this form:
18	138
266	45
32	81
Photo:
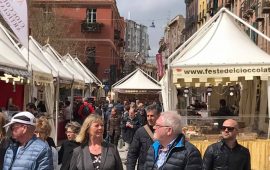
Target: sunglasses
230	129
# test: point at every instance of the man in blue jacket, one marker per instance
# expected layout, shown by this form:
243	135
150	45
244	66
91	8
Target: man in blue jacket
28	152
170	151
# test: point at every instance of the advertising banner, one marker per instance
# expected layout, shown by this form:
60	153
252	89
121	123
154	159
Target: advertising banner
159	65
15	14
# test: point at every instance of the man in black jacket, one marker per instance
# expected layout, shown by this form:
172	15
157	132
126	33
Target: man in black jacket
142	139
227	154
170	151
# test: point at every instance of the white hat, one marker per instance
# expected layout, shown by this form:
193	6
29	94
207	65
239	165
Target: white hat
24	118
110	105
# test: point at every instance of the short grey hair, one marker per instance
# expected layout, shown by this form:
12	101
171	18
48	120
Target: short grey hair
172	119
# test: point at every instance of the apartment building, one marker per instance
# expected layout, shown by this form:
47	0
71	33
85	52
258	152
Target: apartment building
94	29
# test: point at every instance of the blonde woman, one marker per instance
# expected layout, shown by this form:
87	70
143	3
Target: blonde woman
94	153
43	130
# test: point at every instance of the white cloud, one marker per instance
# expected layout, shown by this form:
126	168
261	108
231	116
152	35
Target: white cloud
146	11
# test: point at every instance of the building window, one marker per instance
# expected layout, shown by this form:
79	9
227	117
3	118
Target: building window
91	15
91	59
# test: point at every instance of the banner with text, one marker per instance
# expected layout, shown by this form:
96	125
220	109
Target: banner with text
15	14
159	65
223	71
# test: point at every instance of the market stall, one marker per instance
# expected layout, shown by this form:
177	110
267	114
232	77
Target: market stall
13	72
217	57
137	85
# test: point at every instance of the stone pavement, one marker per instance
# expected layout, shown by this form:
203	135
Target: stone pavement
123	156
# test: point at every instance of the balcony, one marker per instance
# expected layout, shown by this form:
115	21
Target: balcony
117	34
259	19
247	8
265	6
91	26
121	43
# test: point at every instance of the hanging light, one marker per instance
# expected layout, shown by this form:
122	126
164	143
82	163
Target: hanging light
231	89
209	90
186	92
13	82
152	25
7	80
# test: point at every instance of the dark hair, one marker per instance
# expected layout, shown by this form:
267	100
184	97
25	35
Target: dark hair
127	107
155	108
31	106
67	103
222	102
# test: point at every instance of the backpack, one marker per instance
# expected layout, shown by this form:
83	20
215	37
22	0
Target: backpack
85	111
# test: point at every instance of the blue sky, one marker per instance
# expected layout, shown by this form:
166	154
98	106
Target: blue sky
146	11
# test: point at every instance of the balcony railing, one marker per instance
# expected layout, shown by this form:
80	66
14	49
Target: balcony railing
117	34
91	26
266	6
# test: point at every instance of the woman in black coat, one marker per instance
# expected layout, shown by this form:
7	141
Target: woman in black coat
94	153
66	150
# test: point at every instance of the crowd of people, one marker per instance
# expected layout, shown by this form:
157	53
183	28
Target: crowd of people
153	140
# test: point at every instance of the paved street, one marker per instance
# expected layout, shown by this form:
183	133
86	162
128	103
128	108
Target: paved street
123	156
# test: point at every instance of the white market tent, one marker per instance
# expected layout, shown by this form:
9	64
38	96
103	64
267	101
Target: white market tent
219	52
137	80
42	70
69	59
73	69
11	60
56	63
94	78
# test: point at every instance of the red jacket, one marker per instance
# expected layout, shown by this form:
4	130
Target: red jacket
91	109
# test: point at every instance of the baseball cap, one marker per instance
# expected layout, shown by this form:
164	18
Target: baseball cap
24	118
110	105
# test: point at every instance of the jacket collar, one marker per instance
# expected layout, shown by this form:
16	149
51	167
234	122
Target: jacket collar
223	144
178	143
87	157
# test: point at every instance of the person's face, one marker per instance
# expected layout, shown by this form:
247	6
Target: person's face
151	118
40	134
18	130
131	113
113	113
96	129
229	130
161	130
29	109
70	134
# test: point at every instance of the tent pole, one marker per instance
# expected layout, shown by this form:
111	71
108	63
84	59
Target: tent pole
56	110
72	98
268	96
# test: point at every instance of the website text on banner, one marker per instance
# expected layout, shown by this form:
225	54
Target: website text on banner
15	14
222	71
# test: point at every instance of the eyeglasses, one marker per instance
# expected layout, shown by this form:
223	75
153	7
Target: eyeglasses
230	129
160	126
15	126
68	132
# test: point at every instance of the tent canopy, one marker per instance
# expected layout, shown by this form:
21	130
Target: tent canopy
11	60
222	49
56	64
137	80
94	78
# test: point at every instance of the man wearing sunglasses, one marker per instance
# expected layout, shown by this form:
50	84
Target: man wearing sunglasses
227	154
